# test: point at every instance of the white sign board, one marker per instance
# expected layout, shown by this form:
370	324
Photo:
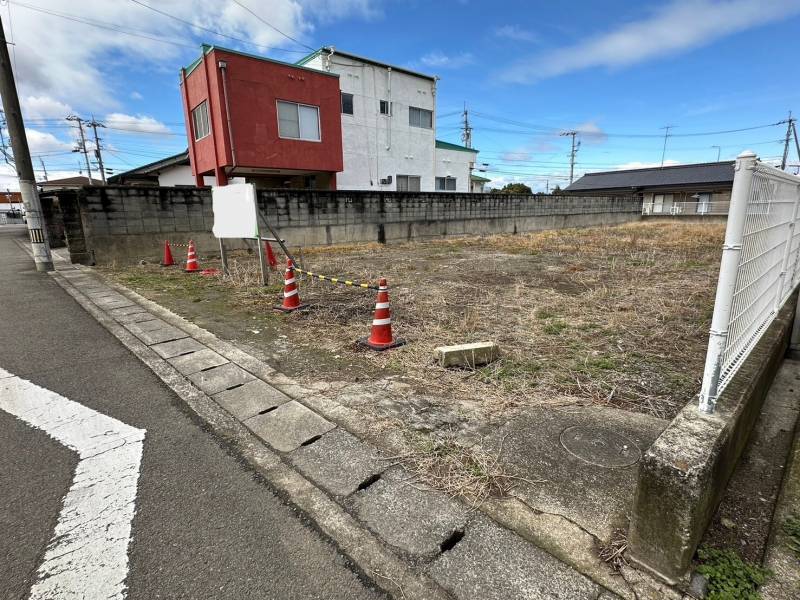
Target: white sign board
234	208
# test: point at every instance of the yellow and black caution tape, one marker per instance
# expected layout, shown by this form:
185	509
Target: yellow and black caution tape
366	286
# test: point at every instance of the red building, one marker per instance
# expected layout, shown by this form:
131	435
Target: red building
273	123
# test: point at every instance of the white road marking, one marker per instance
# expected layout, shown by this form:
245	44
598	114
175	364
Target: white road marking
87	556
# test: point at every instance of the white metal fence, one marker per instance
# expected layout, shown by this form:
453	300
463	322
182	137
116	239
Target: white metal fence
760	268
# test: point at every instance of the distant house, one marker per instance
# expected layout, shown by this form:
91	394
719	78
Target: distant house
67	183
333	120
697	189
478	184
172	171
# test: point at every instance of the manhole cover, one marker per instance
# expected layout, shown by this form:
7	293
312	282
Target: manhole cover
601	447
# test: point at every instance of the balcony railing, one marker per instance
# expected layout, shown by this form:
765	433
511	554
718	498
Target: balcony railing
687	209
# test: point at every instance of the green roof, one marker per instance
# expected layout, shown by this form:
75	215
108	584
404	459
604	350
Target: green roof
337	52
449	146
206	49
479	179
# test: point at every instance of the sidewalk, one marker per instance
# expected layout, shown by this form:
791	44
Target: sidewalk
784	583
413	541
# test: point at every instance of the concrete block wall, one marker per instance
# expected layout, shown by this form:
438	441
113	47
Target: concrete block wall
129	223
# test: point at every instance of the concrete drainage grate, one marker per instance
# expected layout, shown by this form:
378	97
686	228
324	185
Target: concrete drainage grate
600	447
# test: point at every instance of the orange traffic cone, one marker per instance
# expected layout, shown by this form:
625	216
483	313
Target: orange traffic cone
167	261
380	337
291	295
273	262
191	259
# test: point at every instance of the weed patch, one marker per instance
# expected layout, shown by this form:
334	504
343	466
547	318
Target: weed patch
729	576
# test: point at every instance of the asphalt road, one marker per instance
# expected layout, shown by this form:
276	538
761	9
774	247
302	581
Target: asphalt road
205	526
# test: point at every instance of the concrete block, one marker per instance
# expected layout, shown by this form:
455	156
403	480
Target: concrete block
162	333
338	462
409	515
467	355
250	399
684	474
492	563
177	347
218	379
289	426
197	361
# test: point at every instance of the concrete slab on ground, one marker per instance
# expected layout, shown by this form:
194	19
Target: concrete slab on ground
197	361
218	379
784	583
177	347
492	563
597	498
338	462
408	514
164	333
289	426
250	399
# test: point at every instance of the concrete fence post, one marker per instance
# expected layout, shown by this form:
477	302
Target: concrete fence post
726	285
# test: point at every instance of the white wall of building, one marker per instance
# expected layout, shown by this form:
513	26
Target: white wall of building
377	146
455	163
176	175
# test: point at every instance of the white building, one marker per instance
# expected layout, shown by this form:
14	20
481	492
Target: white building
389	128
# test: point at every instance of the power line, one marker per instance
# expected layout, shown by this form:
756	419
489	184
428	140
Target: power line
271	26
206	29
554	130
101	25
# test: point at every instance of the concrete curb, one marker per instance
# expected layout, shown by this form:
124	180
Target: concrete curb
378	564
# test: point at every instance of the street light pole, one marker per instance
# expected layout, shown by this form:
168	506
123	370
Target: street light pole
22	160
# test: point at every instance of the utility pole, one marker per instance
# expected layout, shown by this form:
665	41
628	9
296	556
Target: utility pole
572	153
41	162
94	125
666	129
466	133
22	160
789	128
719	151
82	146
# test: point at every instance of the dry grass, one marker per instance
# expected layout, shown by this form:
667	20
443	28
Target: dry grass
614	551
469	473
614	316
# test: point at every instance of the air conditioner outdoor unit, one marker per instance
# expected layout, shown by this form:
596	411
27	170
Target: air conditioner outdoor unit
387	180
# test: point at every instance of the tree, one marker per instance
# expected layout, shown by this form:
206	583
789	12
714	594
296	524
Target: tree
556	190
513	188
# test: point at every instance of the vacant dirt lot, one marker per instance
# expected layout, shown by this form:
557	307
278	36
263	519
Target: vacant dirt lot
615	316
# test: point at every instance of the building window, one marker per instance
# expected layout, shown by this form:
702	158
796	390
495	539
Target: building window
200	121
408	183
420	117
298	121
386	107
347	104
446	184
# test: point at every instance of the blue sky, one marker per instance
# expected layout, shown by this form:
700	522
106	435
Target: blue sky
617	72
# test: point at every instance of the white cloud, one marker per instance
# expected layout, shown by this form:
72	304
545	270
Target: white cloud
440	60
135	123
136	95
85	67
516	155
44	107
515	32
591	133
41	141
678	26
645	165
